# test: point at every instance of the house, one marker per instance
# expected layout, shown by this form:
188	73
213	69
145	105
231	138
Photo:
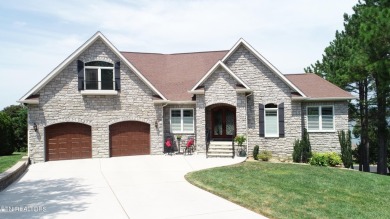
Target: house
101	102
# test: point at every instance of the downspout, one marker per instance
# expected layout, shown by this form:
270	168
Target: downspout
246	124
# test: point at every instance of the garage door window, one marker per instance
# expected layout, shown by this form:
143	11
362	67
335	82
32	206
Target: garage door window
182	120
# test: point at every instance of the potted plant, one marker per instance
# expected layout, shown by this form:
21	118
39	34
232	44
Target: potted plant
240	139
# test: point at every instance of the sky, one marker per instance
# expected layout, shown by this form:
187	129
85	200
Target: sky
36	36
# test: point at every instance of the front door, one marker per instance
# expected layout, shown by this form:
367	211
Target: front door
223	123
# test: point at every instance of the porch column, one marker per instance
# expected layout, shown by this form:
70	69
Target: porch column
200	123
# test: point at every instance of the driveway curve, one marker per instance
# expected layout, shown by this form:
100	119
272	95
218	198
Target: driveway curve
121	187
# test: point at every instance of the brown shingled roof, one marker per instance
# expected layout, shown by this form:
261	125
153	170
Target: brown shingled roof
313	86
174	74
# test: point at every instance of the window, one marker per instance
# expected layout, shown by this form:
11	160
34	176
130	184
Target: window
320	118
182	120
99	76
271	121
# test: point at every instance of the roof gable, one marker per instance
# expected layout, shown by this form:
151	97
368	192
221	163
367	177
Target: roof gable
212	70
75	54
242	42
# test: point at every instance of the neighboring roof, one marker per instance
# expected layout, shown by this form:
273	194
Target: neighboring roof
212	70
74	55
317	88
174	74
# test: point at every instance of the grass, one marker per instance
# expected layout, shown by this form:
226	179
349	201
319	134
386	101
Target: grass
8	161
279	190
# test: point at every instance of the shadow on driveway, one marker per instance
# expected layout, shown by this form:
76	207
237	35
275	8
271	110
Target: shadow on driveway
43	198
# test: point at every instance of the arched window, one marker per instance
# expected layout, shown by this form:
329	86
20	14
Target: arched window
99	75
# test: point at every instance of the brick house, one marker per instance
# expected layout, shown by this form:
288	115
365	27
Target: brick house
101	102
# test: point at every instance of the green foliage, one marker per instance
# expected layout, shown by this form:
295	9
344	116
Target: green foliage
325	159
240	139
358	61
18	116
6	135
346	148
302	149
297	153
319	159
265	155
255	152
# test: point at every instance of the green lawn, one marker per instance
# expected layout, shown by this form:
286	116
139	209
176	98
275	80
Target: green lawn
8	161
279	190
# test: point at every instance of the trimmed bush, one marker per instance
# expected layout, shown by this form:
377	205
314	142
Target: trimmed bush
346	148
302	149
265	155
255	152
297	153
325	159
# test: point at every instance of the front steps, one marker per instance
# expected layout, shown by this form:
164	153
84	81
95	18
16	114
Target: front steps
220	149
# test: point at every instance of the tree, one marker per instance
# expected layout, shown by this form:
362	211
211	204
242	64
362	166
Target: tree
359	58
6	135
18	116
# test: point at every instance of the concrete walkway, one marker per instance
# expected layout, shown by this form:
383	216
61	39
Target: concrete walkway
123	187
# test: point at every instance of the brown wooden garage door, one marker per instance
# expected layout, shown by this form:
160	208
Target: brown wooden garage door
65	141
129	138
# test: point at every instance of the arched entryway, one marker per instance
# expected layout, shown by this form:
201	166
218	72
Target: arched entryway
68	140
129	138
222	121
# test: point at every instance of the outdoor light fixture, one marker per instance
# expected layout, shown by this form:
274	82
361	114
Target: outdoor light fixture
35	127
156	124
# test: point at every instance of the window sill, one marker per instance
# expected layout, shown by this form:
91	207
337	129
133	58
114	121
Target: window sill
99	92
321	131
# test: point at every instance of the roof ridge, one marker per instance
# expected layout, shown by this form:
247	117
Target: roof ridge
180	53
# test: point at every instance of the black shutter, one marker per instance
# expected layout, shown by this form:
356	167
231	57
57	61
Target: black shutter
281	120
117	76
80	74
261	120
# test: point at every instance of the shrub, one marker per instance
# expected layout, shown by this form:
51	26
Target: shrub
325	159
297	153
319	159
265	155
255	152
333	159
346	148
302	149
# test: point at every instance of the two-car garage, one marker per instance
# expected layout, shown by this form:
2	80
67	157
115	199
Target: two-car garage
69	140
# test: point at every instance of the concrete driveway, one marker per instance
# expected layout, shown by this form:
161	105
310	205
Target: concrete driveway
122	187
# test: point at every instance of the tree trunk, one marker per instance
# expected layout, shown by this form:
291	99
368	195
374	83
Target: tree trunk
382	126
363	108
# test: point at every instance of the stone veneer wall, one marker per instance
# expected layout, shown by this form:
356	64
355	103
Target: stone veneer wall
267	88
60	101
328	141
219	89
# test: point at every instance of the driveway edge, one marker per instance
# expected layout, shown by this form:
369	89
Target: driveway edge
13	173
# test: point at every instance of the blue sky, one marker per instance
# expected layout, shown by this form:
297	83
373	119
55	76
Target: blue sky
36	36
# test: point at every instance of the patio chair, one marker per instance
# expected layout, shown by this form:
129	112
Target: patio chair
190	145
168	145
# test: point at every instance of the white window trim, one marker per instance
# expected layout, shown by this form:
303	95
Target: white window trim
99	76
181	120
265	123
320	119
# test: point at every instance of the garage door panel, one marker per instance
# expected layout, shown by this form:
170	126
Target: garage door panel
66	141
129	138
